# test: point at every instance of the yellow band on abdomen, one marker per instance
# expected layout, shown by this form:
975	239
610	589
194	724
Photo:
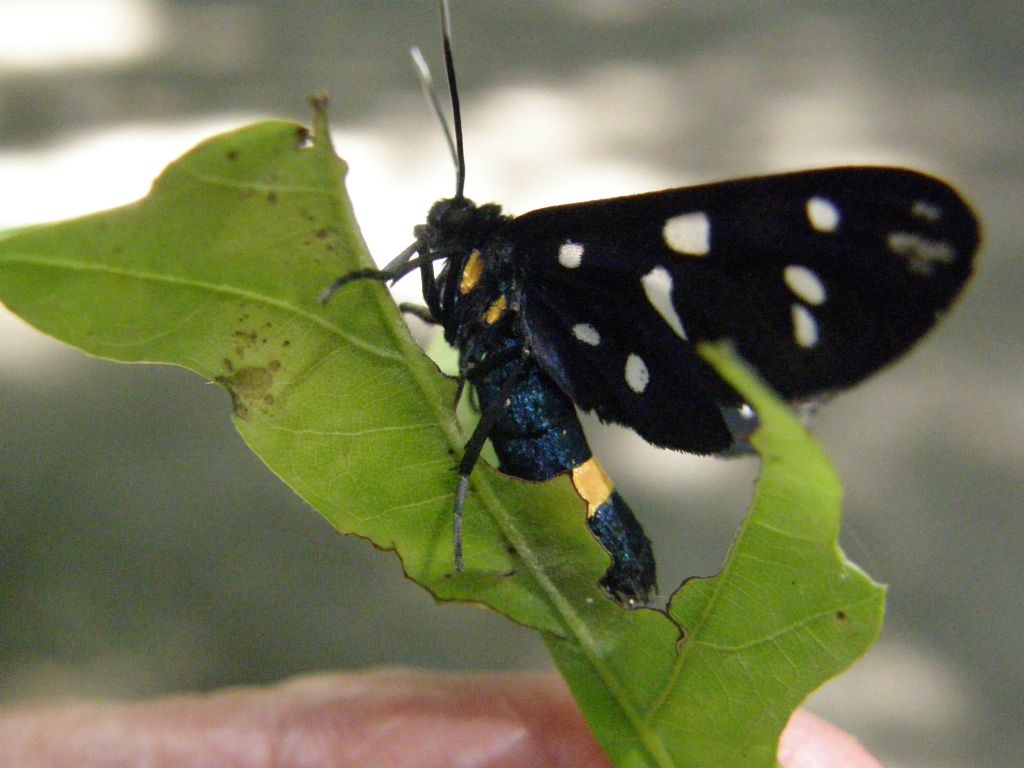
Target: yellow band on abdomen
592	484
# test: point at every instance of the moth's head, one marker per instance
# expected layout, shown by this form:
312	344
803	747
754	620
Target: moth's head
451	227
456	224
452	216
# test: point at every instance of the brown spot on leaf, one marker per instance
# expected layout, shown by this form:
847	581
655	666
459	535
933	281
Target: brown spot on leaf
248	387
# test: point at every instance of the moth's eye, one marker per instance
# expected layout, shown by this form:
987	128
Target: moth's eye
454	218
458	215
451	215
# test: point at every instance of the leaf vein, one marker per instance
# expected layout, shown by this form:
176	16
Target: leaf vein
155	277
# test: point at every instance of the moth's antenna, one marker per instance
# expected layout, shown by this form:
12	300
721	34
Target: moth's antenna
427	83
453	92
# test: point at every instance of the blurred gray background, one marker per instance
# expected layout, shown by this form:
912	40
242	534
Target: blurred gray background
144	550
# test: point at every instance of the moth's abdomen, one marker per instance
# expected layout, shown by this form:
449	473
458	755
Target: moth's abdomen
538	436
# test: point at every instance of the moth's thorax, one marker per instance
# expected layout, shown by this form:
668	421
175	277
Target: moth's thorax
478	285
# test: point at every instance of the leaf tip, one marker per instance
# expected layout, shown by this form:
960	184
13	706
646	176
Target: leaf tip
321	127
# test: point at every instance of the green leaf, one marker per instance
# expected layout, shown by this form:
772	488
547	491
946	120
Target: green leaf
219	269
786	613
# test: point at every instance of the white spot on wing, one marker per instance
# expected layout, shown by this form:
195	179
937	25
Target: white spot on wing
921	253
823	214
637	375
688	234
805	327
805	284
570	254
586	333
925	210
658	287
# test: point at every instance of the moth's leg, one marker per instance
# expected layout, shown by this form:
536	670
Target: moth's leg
397	268
418	311
475	444
486	366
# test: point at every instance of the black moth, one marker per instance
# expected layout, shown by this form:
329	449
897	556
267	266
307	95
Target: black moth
818	278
